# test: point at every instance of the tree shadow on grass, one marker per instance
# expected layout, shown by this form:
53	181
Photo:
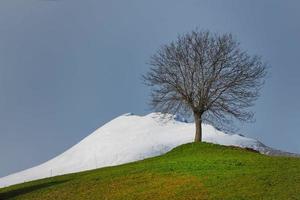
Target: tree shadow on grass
17	192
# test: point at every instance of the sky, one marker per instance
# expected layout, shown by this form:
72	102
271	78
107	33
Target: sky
69	66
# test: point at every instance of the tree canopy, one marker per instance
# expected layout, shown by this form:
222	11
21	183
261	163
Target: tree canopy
208	75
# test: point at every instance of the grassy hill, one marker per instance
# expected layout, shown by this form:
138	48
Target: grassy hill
191	171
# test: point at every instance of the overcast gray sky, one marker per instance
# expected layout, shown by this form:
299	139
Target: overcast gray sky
69	66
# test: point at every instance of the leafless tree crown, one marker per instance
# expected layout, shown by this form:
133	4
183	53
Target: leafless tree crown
205	74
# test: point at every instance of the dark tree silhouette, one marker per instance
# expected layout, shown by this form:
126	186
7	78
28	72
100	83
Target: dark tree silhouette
207	75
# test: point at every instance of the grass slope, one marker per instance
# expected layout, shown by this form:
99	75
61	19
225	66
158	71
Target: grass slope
191	171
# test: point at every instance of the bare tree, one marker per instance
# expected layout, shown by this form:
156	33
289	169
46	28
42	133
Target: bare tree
207	75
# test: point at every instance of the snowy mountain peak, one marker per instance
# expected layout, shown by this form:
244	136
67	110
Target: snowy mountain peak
129	138
127	114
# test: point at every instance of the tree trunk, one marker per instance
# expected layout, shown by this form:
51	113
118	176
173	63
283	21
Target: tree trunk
198	123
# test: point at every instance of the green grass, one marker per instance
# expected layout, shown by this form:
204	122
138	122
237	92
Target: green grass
191	171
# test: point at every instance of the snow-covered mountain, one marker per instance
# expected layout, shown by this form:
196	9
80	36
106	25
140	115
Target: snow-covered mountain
129	138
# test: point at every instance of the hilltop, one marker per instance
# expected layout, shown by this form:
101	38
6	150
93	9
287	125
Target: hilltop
191	171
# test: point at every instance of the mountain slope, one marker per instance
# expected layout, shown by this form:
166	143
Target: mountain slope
125	139
191	171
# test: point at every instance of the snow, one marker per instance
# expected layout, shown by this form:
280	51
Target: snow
127	138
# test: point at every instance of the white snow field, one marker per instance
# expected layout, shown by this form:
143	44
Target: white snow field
126	139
